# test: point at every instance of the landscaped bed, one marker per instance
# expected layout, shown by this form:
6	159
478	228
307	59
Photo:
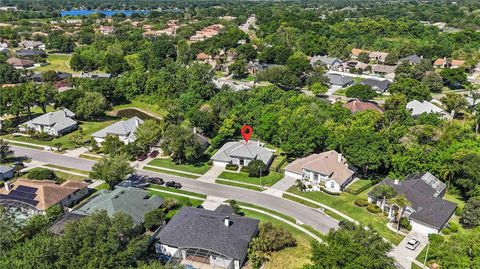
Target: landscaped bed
345	204
267	180
200	168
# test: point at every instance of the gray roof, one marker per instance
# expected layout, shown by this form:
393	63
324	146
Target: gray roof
59	120
200	228
418	108
415	59
29	52
131	201
242	149
5	169
376	84
59	226
324	60
123	128
339	80
425	192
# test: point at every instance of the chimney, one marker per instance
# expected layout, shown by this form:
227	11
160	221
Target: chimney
194	130
226	221
339	157
258	143
396	182
7	186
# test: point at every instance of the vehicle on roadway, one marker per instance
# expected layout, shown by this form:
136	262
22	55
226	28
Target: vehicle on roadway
173	184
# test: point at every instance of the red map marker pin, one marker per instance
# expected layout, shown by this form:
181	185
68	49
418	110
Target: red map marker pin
246	132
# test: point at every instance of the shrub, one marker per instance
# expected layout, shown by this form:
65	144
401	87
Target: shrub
170	204
329	192
405	223
361	202
244	169
236	208
43	136
446	231
231	167
153	219
42	174
436	238
255	168
453	227
458	211
373	209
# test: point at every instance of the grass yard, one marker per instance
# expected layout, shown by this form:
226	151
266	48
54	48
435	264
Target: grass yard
142	105
291	258
103	186
240	185
291	219
23	145
67	169
345	204
163	171
357	185
90	157
67	141
312	205
200	168
268	180
57	62
66	176
162	188
249	78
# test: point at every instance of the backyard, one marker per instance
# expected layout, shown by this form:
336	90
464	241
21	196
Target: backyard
57	62
345	204
267	180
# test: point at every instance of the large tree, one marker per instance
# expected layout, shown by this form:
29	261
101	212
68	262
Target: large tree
411	88
112	169
148	133
471	213
362	92
352	247
5	151
91	105
454	102
181	144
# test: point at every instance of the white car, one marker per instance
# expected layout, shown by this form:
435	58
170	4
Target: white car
413	243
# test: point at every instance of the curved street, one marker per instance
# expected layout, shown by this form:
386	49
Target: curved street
303	214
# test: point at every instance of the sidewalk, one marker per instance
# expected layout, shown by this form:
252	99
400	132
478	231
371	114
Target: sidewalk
76	152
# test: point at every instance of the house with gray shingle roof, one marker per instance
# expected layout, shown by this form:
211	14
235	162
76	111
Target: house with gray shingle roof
428	212
418	108
241	153
340	80
213	238
55	123
412	59
329	62
125	130
6	172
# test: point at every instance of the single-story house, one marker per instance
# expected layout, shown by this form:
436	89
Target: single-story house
6	172
31	44
255	67
55	123
327	170
448	63
38	77
20	63
412	59
356	52
340	80
429	212
203	57
30	53
241	153
349	66
216	239
329	62
379	85
384	70
106	30
417	108
356	105
125	130
378	56
95	75
38	195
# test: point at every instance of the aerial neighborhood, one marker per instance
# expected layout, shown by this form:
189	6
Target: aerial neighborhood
239	134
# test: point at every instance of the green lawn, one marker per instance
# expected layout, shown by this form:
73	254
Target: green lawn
23	145
267	180
200	168
103	186
142	105
66	176
159	170
307	203
249	78
240	185
67	141
291	219
345	204
67	168
89	157
359	184
57	62
158	187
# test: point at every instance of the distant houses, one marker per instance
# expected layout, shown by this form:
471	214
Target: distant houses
327	170
448	63
32	45
418	108
20	63
55	123
207	32
326	61
241	153
124	130
216	238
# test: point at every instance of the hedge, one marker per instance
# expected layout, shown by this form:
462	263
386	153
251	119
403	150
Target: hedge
231	167
42	174
436	238
361	202
453	227
373	209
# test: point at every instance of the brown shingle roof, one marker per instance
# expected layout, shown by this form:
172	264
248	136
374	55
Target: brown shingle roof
356	105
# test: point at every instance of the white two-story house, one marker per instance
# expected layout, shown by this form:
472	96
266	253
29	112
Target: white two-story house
328	170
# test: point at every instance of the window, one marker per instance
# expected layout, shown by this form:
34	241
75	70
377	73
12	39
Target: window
242	162
332	185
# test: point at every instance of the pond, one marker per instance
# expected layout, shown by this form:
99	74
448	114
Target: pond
108	13
132	112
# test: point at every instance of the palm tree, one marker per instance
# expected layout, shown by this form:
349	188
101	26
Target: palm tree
384	192
402	202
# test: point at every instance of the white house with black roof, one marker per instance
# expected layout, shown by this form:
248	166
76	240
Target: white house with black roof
207	239
428	212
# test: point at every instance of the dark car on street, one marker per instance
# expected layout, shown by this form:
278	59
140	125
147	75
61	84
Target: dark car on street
173	184
156	180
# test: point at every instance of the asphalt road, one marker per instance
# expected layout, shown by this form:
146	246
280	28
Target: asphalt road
304	214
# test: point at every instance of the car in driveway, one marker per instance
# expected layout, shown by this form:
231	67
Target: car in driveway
413	243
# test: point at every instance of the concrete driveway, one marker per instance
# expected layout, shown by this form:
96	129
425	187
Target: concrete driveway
405	256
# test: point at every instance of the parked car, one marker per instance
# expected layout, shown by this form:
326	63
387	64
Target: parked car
413	243
88	181
142	157
173	184
156	180
153	154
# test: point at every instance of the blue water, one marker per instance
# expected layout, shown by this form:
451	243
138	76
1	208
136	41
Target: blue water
108	13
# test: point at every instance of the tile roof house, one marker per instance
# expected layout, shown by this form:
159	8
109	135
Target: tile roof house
20	63
355	52
378	85
417	108
378	56
213	239
340	80
428	212
203	57
241	153
448	63
55	123
384	70
125	130
6	172
356	105
328	170
39	195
